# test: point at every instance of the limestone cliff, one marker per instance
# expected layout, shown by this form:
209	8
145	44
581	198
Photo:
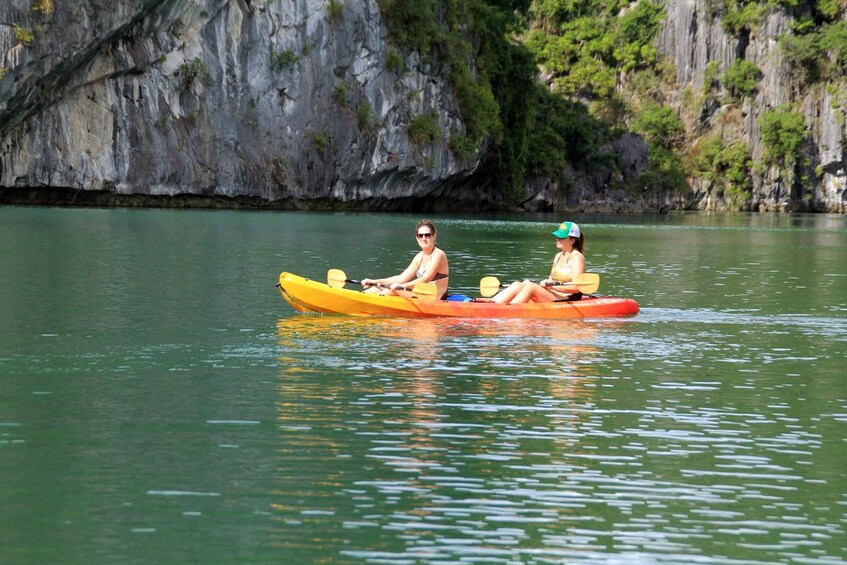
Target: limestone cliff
304	103
693	38
283	100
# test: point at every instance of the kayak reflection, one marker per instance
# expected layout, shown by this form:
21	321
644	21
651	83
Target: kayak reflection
409	406
477	351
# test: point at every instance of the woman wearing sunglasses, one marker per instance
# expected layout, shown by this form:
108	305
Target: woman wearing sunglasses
429	265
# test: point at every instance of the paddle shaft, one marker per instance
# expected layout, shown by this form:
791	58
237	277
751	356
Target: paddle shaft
557	283
585	283
337	278
425	291
378	285
545	285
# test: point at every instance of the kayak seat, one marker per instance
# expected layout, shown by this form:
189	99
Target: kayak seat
459	298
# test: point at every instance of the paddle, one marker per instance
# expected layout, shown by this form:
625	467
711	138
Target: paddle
426	292
586	283
336	278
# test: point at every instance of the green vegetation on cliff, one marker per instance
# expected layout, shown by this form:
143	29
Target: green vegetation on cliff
725	164
543	84
529	130
44	7
603	53
586	44
533	130
22	34
783	133
742	78
820	52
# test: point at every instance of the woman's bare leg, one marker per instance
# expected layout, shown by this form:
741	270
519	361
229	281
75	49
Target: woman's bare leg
533	292
506	295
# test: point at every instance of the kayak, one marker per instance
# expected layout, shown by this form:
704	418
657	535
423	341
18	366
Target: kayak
306	295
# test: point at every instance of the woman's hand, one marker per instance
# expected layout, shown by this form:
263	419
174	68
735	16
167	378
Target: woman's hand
367	283
396	286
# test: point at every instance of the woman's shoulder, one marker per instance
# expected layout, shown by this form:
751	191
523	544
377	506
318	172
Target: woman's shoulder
440	257
576	256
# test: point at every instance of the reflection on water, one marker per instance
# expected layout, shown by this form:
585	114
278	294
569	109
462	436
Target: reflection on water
532	441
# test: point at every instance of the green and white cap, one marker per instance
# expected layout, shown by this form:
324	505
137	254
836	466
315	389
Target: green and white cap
567	229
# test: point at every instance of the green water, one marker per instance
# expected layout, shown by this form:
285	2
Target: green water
160	403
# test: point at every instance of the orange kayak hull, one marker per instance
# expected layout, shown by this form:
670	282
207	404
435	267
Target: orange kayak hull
306	295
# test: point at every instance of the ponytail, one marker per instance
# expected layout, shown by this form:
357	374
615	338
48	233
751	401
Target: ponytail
579	244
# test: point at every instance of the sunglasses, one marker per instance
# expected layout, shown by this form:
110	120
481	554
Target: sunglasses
424	235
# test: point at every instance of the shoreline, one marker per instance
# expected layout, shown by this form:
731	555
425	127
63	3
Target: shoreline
80	198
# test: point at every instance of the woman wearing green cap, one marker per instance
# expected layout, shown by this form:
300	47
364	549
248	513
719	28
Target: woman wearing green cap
567	264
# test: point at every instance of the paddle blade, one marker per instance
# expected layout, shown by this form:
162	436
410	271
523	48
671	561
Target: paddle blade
426	292
336	278
587	283
489	286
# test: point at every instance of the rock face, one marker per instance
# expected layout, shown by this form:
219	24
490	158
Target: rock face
692	37
281	100
304	103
